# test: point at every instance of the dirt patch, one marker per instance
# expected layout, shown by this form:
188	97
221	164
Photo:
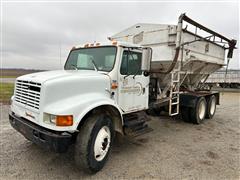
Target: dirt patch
142	140
206	162
212	155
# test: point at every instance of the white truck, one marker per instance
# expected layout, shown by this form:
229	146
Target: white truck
113	87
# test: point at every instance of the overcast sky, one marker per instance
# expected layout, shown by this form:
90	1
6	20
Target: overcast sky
34	32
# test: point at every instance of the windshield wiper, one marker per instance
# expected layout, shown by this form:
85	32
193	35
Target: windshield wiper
94	64
75	66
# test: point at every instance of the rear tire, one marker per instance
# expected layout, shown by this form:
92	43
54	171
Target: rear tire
94	143
211	107
198	113
185	113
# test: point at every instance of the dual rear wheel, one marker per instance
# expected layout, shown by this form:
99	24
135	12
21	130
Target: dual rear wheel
204	108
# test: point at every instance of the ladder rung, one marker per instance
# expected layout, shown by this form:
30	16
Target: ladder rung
175	92
174	114
175	103
175	81
172	34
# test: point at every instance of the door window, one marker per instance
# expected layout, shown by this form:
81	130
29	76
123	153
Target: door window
131	63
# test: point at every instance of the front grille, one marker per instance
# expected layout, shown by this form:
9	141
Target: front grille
28	93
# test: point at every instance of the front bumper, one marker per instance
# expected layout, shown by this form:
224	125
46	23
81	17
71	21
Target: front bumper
45	138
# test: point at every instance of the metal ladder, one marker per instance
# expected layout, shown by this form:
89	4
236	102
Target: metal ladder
174	92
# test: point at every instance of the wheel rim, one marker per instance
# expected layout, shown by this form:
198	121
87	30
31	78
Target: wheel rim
202	110
213	106
102	143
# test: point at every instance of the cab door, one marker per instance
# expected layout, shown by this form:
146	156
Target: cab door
133	85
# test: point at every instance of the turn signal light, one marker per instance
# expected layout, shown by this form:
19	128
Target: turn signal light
114	43
114	85
64	120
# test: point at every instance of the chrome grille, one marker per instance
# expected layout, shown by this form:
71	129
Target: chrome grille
28	93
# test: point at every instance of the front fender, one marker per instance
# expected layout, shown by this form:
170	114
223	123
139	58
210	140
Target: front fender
79	106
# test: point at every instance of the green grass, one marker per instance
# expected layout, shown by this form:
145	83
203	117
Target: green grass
8	76
6	91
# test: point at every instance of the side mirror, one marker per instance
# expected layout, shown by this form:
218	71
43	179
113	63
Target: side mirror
146	59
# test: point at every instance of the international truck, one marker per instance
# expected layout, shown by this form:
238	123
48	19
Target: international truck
114	87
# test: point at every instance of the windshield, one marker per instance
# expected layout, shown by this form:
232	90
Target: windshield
100	58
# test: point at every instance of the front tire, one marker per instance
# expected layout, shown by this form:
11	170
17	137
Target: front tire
94	143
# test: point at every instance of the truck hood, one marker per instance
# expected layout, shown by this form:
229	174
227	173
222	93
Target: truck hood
60	92
41	77
65	87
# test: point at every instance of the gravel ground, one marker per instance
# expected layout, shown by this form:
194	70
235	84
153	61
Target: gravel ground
174	150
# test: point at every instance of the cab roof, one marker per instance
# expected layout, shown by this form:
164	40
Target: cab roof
107	43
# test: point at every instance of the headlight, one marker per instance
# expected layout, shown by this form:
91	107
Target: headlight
49	118
58	120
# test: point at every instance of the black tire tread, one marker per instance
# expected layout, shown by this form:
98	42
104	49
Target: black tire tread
194	112
185	113
84	136
208	115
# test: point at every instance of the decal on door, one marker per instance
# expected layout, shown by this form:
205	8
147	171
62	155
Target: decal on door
136	89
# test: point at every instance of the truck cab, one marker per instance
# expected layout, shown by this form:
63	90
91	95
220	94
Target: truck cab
121	62
99	84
